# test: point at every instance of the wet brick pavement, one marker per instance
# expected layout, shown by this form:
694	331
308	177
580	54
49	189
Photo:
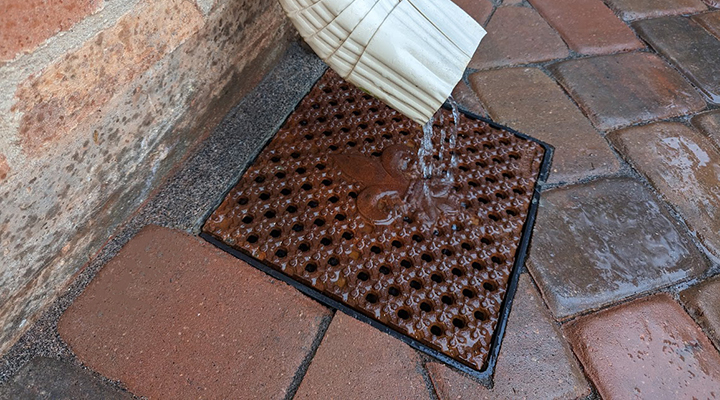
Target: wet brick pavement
622	272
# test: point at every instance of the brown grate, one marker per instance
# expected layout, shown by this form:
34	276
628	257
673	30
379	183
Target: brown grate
322	203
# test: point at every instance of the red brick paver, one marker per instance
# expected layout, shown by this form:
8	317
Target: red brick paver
464	96
356	361
598	243
702	301
624	89
173	317
649	349
631	10
535	361
588	26
25	24
480	10
517	35
709	124
528	100
683	165
710	21
694	51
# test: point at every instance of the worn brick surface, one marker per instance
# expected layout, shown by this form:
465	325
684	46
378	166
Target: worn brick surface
709	124
173	317
4	167
588	26
683	165
710	21
517	35
631	10
25	24
535	362
648	349
357	361
703	303
464	96
624	89
480	10
77	86
47	378
694	51
528	100
604	241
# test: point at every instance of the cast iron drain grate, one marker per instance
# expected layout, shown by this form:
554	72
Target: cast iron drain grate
322	205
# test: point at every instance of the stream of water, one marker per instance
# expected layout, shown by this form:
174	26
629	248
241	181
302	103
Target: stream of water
438	170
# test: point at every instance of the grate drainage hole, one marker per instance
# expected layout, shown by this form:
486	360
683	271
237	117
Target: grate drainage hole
519	190
486	240
319	222
447	300
466	246
394	291
333	199
490	179
252	239
295	155
332	147
436	278
417	238
326	241
347	235
511	212
326	182
376	249
363	276
494	217
304	247
501	195
468	293
312	267
243	200
309	137
275	159
406	263
464	168
497	259
264	196
281	253
306	186
508	175
280	175
425	306
446	252
275	233
416	285
478	266
480	315
458	323
291	209
260	179
351	144
404	314
489	286
298	228
301	170
384	270
376	153
483	199
514	156
457	272
313	203
474	184
333	261
371	298
369	139
270	214
426	257
436	330
353	195
247	219
285	191
340	217
397	244
320	167
404	132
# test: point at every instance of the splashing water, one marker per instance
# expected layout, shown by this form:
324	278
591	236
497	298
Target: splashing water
439	169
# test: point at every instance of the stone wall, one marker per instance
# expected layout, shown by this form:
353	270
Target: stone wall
99	101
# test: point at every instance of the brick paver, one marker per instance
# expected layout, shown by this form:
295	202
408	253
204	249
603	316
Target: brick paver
683	165
709	124
465	97
693	51
357	361
710	21
535	361
528	100
702	301
173	317
47	378
631	10
624	89
517	35
480	10
598	243
649	349
588	26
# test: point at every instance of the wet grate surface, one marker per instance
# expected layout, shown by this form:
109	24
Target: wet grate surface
335	202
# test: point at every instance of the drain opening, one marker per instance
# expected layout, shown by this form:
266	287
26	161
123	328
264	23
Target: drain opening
302	209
